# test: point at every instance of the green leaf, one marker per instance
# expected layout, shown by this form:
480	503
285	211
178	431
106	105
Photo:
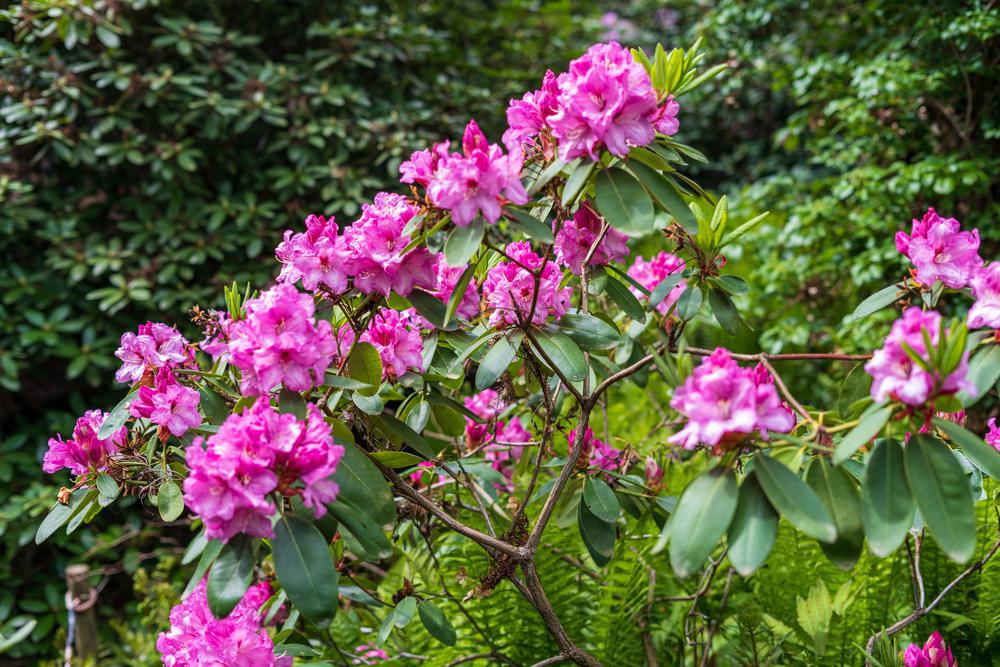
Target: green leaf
662	289
10	641
430	307
564	354
399	433
839	495
404	611
689	303
869	426
939	486
702	516
794	500
531	226
724	310
665	194
753	529
169	501
576	181
116	418
984	370
230	576
463	242
874	303
208	557
364	365
458	293
396	459
598	536
600	499
107	486
437	623
59	515
589	332
975	448
886	501
547	174
214	406
623	202
107	37
367	540
291	402
305	569
625	300
496	361
361	484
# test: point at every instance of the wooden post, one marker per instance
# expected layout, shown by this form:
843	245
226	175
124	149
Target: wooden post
82	596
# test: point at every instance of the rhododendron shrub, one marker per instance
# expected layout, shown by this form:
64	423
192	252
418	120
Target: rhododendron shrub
439	372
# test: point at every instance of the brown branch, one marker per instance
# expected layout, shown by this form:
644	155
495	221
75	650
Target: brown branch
922	611
568	649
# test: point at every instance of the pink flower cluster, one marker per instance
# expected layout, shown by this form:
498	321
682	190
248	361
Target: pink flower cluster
447	280
599	454
396	336
479	180
897	377
985	284
939	250
154	346
934	653
197	638
724	402
84	452
495	436
255	453
280	343
578	234
606	99
993	437
315	257
652	273
168	404
374	247
370	251
509	288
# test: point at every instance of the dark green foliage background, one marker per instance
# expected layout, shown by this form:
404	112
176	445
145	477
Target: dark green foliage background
151	152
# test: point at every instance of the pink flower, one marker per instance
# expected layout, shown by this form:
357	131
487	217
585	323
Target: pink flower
940	251
197	638
279	342
502	452
153	346
600	455
509	288
368	655
527	116
254	454
84	452
665	120
417	476
724	402
993	437
397	339
447	279
933	654
315	257
477	181
423	165
985	283
577	235
216	342
895	375
487	406
168	404
606	98
374	247
652	273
